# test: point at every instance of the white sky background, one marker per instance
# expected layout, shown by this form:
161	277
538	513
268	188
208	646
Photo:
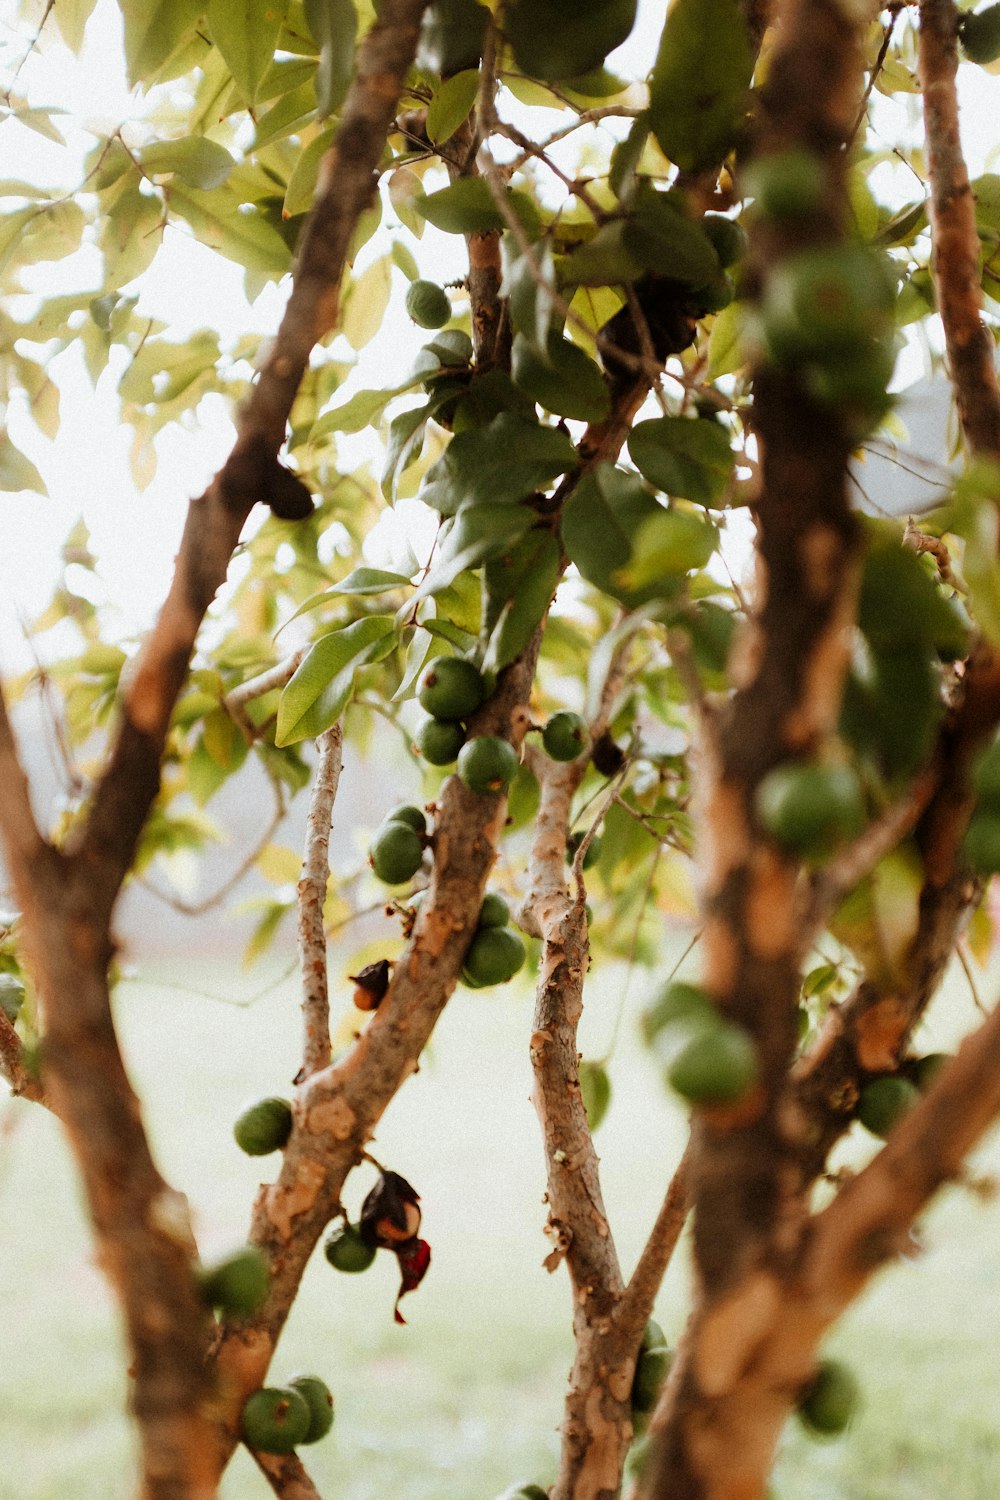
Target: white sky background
87	469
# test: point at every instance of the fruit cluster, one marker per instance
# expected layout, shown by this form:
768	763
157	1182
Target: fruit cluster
496	953
397	850
276	1419
390	1219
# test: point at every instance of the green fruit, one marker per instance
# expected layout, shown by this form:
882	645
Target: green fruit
595	1090
565	736
788	185
451	36
717	1066
524	1492
495	955
551	40
264	1127
650	1372
346	1250
494	911
11	996
412	816
428	304
822	303
810	808
653	1336
713	297
275	1419
728	238
986	777
396	853
927	1068
856	382
487	764
678	1004
452	688
316	1394
830	1400
979	34
885	1101
238	1283
440	740
593	853
981	845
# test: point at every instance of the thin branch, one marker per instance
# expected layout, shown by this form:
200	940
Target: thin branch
24	1083
636	1305
236	700
311	900
17	821
286	1475
970	978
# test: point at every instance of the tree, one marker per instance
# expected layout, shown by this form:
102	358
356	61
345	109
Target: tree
715	283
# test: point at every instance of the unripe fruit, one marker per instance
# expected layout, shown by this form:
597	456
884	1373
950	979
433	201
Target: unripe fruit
440	740
824	302
981	845
495	955
830	1400
717	1066
650	1372
487	764
565	736
275	1419
316	1394
346	1250
452	688
789	185
595	1090
494	911
885	1101
428	304
396	853
238	1283
979	34
524	1492
412	816
728	238
264	1127
593	853
678	1004
927	1068
809	808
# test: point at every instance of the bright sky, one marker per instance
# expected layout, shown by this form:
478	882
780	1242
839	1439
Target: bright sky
87	469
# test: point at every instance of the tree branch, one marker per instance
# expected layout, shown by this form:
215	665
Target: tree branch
636	1304
311	899
24	1084
286	1474
236	700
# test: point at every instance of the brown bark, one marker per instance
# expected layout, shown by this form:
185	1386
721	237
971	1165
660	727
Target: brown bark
311	898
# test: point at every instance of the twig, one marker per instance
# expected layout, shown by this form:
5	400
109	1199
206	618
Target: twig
311	900
970	977
286	1475
236	700
17	821
24	1084
584	117
873	77
637	1301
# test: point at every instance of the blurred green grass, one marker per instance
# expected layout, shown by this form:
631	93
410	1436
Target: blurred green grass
466	1398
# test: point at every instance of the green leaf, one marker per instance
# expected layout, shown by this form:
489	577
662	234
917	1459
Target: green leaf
451	104
681	456
198	162
319	691
237	231
72	16
666	546
246	33
554	40
698	92
725	342
499	464
530	306
364	581
290	114
16	471
565	381
305	174
467	207
600	521
366	301
131	234
662	237
153	30
519	583
901	605
974	519
334	25
603	261
361	411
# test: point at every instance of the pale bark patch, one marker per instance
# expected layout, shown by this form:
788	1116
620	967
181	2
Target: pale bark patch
334	1117
286	1203
732	1330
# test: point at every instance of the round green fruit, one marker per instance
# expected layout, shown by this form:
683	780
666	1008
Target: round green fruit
412	816
494	911
822	303
979	34
717	1066
428	304
789	185
452	688
316	1394
728	238
830	1400
524	1492
396	853
981	845
678	1004
440	740
593	853
495	955
238	1283
346	1250
810	808
595	1090
986	777
264	1127
856	382
565	736
885	1101
650	1372
927	1068
275	1419
487	764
